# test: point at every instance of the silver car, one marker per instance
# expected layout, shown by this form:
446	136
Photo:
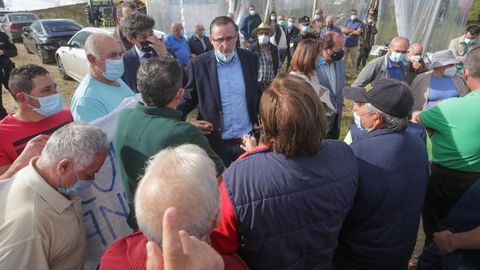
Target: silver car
71	58
13	23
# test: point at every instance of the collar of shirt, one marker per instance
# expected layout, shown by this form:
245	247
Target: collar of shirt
391	64
140	53
51	196
473	93
160	111
234	60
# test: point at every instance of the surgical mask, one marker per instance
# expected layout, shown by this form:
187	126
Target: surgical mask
252	12
182	33
145	46
263	39
468	40
225	59
290	24
281	22
450	71
415	58
114	69
305	28
358	121
204	33
316	17
397	57
353	17
330	25
273	18
320	63
49	105
78	187
337	56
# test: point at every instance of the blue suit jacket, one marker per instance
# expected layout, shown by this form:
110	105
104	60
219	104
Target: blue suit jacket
203	90
336	95
131	64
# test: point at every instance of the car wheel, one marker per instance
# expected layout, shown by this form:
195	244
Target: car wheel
61	69
44	56
26	48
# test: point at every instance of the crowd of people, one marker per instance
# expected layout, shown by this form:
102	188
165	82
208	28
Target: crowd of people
260	179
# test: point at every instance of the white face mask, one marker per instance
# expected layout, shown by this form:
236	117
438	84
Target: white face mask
252	12
353	17
468	41
450	71
317	17
263	39
273	18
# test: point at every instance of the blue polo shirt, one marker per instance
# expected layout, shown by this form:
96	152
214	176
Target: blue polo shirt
180	47
395	70
236	121
352	41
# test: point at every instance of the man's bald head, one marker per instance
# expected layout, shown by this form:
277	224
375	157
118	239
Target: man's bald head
98	43
177	28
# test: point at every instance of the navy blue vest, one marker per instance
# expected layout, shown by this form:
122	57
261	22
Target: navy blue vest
289	211
381	230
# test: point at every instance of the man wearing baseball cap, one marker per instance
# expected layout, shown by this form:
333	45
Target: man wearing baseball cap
381	229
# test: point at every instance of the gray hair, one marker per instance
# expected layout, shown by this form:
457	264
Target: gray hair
158	80
472	62
92	44
389	121
135	23
79	142
183	177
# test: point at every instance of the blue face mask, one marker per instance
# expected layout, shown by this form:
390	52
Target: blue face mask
320	63
78	187
305	28
290	24
49	105
397	57
358	121
225	59
114	69
204	33
281	22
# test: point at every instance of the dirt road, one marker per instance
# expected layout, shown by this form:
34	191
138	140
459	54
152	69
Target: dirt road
66	88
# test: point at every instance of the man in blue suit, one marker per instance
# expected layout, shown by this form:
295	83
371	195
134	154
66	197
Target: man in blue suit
223	84
332	75
138	29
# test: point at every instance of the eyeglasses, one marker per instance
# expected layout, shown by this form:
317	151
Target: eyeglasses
221	40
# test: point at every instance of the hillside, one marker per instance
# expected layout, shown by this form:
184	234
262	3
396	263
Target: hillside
76	12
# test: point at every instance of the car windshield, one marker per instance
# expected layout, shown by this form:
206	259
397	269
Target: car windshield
61	26
22	17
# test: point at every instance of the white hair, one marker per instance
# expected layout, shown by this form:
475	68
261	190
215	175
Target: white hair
92	44
183	177
389	121
79	142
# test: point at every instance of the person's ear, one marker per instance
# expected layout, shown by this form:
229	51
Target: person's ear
63	166
21	97
91	58
180	93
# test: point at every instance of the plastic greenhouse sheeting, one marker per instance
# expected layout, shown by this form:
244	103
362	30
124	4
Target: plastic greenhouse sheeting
432	22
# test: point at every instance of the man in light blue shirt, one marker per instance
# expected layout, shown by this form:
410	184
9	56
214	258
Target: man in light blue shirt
177	42
102	90
223	85
332	76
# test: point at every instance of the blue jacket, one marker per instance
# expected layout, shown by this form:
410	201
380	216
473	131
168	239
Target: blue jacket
462	218
203	90
381	230
248	24
336	95
413	128
289	211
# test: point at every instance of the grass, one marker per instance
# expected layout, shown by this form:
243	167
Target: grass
75	12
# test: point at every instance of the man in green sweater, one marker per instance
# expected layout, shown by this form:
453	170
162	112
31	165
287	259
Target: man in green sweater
154	125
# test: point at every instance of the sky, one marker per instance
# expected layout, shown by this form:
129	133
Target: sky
37	4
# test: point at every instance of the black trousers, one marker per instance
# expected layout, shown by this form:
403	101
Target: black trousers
4	76
445	188
363	54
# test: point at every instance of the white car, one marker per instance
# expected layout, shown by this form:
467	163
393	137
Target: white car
71	58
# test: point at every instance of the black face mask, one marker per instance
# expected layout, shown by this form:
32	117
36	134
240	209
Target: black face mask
337	56
330	26
145	47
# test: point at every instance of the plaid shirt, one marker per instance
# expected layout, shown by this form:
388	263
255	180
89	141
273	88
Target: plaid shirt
265	67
